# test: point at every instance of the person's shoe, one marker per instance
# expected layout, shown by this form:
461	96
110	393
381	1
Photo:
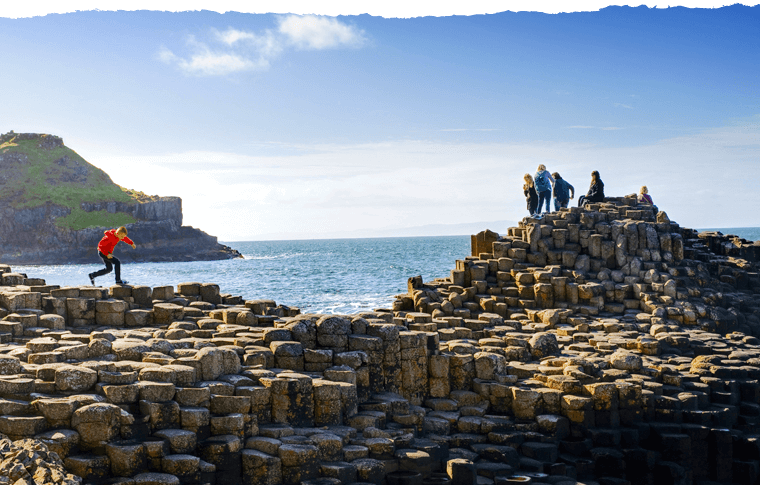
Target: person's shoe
92	280
121	282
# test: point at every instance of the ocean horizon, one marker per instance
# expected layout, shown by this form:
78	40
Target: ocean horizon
337	276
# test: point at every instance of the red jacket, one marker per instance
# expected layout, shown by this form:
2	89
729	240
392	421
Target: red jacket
109	241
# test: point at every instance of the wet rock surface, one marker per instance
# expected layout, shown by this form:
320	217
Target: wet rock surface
605	345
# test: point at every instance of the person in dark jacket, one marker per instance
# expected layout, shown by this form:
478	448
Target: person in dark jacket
595	191
531	197
563	192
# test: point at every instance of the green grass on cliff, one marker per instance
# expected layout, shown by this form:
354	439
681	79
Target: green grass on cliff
60	176
79	219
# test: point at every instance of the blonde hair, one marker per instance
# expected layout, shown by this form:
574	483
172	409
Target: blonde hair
643	190
541	167
528	181
121	230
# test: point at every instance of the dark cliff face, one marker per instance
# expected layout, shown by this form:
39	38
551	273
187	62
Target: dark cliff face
30	236
165	209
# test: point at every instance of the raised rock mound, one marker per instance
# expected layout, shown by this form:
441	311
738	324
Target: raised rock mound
594	346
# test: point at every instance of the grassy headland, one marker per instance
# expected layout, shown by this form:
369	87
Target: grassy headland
36	172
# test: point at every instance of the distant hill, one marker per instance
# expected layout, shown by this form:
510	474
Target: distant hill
54	207
40	169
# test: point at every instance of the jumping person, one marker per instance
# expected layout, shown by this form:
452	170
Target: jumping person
105	250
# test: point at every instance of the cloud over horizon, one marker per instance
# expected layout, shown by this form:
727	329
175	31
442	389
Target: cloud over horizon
235	50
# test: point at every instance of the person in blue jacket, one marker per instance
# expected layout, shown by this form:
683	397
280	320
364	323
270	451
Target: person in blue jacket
543	182
563	192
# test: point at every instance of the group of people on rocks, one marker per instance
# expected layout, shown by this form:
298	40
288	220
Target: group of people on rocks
541	187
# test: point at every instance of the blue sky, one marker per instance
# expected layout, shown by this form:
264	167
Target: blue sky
291	126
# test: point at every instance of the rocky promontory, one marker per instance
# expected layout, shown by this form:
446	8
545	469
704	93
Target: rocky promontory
54	207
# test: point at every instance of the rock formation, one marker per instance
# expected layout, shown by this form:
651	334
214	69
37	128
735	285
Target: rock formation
55	206
603	345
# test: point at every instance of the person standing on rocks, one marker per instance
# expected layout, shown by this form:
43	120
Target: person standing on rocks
563	192
531	197
544	183
595	191
105	250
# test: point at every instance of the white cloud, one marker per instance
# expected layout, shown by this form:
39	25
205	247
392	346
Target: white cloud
205	61
235	50
266	45
312	32
621	105
231	36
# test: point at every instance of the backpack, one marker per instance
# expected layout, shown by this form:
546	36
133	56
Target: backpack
540	182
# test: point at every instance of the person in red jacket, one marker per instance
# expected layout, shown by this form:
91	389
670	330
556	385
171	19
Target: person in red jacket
105	249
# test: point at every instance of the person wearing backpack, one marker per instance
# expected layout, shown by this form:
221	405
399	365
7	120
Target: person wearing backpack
544	183
563	192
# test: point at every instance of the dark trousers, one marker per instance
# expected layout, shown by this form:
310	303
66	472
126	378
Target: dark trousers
110	263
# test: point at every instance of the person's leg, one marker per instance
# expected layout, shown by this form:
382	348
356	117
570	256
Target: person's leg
564	204
117	265
541	199
557	204
105	270
548	198
581	200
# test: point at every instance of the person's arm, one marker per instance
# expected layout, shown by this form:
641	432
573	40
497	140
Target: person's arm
572	191
129	241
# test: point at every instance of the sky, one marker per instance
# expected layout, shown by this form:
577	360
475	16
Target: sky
346	121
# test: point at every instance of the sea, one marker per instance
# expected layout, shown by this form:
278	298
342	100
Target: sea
334	276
